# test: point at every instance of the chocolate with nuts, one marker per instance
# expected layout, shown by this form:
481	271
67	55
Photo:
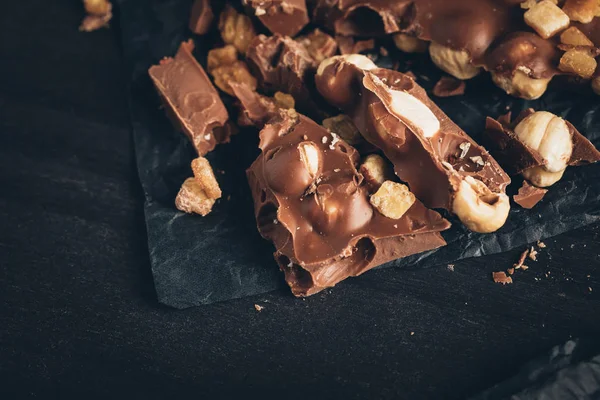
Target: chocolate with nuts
283	17
443	166
313	204
191	100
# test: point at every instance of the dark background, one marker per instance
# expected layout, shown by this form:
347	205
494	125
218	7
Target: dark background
79	315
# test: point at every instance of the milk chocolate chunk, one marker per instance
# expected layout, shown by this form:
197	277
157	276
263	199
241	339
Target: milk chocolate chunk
528	195
282	64
448	87
201	17
539	145
283	17
190	99
444	167
313	204
369	18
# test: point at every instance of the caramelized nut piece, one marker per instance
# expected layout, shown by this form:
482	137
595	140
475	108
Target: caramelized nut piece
409	44
237	72
221	56
204	174
392	199
581	10
546	19
192	199
236	29
551	137
575	37
521	85
578	62
478	208
284	100
455	62
375	171
97	7
343	126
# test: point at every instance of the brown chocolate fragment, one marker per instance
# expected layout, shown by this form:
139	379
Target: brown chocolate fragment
255	109
313	204
201	17
501	277
191	100
282	64
368	18
529	195
348	45
283	17
394	114
521	260
448	86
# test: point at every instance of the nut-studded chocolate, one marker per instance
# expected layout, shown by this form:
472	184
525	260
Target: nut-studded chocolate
313	203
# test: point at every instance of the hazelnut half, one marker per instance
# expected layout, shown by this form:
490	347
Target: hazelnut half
480	209
455	62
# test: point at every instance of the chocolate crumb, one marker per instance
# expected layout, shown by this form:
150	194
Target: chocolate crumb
511	271
448	87
533	254
383	51
501	277
451	267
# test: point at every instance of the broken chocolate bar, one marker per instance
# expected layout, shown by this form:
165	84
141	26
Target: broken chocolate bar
539	145
191	100
283	17
444	167
313	204
528	195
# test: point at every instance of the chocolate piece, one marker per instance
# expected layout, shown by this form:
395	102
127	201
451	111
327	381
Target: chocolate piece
319	45
255	109
529	195
347	45
369	18
283	17
515	156
201	17
442	164
190	98
313	204
282	64
448	87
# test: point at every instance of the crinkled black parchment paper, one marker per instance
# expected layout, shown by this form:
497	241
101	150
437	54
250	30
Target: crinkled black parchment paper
570	371
199	260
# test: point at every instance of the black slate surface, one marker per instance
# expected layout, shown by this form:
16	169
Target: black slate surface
79	316
199	261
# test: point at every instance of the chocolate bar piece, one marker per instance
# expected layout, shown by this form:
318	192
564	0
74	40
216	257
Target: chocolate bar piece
191	100
201	17
283	17
539	145
443	166
313	204
529	195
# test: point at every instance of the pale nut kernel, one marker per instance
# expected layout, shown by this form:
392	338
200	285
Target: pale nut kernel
221	56
362	62
527	4
455	62
540	177
375	171
236	29
575	37
192	198
409	44
205	176
546	18
578	62
392	199
284	100
478	208
343	126
521	85
580	10
550	136
310	157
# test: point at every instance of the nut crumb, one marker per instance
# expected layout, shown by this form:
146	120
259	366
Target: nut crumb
541	245
501	277
477	160
451	267
522	258
464	149
533	254
324	140
412	334
511	271
258	308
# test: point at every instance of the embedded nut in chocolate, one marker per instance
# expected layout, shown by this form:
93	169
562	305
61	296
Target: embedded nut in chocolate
478	208
343	126
309	154
375	171
393	199
409	44
521	85
455	62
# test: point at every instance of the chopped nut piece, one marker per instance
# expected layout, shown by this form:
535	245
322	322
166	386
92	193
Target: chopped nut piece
319	45
524	267
533	254
192	199
510	271
375	170
581	10
284	100
501	277
521	260
237	72
221	56
546	19
575	37
578	62
236	29
541	245
464	149
97	7
344	127
256	306
477	160
204	174
451	267
94	22
448	87
392	199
